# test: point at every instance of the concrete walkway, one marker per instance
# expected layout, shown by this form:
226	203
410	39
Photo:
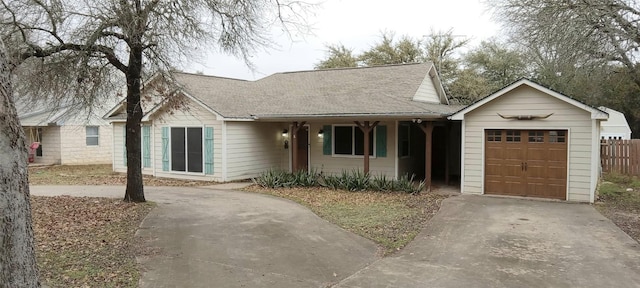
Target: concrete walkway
210	237
481	241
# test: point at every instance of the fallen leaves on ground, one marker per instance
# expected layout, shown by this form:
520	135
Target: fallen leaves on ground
390	219
87	242
96	175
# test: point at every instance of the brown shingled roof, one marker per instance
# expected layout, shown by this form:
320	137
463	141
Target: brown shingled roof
380	90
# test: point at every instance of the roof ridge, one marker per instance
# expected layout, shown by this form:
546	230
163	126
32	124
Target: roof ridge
209	76
350	68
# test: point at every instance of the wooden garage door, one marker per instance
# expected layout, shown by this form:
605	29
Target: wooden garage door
529	163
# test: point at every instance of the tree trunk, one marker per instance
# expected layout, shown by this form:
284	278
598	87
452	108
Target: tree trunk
17	254
135	189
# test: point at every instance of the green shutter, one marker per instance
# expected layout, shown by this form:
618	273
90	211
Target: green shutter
124	144
208	150
165	148
146	146
381	141
326	140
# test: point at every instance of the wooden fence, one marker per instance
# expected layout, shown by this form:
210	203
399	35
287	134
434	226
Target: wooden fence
620	156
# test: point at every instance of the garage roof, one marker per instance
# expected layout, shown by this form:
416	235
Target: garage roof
595	112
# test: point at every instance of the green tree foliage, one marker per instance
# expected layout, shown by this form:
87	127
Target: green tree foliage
389	51
440	48
338	56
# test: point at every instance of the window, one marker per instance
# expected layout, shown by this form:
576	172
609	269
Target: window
557	136
536	136
349	140
513	136
92	135
186	149
404	132
494	135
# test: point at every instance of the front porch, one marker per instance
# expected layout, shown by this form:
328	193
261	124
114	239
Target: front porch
426	148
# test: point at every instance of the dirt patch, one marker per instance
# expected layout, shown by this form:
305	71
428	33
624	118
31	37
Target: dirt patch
84	242
619	200
96	175
390	219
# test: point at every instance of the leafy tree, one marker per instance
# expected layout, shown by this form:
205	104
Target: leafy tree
388	51
17	255
598	30
497	63
440	48
82	48
469	86
338	56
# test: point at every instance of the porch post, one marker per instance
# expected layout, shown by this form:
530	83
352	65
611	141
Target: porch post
427	127
366	130
295	126
447	157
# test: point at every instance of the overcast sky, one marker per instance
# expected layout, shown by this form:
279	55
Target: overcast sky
357	25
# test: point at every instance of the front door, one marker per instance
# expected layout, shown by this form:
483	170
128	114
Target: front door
303	149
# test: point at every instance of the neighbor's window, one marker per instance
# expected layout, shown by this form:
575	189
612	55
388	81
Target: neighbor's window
404	132
186	149
349	140
92	135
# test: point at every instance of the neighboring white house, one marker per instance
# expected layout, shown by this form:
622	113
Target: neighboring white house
527	140
616	127
546	145
67	136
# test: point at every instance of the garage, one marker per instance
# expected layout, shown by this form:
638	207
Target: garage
527	140
528	163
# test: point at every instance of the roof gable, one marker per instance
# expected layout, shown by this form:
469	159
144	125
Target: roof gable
595	112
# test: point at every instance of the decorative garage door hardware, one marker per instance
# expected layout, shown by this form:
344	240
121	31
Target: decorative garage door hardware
524	117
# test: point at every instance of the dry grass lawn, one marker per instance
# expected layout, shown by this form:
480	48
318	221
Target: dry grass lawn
619	200
390	219
95	175
87	242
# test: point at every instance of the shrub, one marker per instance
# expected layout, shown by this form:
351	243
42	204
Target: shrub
354	180
303	178
273	178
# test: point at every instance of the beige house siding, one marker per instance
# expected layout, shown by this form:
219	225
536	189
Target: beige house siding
333	164
118	147
75	150
253	148
427	91
194	116
525	100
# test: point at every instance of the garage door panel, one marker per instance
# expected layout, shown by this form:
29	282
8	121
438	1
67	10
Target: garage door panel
526	163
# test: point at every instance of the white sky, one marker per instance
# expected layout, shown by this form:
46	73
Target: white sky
357	24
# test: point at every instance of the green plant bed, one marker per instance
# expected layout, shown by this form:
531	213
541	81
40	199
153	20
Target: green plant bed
354	180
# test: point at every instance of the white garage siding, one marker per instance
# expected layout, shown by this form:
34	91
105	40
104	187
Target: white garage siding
525	100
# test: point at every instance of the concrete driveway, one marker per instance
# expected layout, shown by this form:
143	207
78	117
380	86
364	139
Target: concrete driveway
213	237
480	241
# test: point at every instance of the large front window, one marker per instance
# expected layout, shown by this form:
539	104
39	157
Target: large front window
186	149
349	140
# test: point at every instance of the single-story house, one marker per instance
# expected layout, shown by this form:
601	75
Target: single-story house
390	120
64	135
616	127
